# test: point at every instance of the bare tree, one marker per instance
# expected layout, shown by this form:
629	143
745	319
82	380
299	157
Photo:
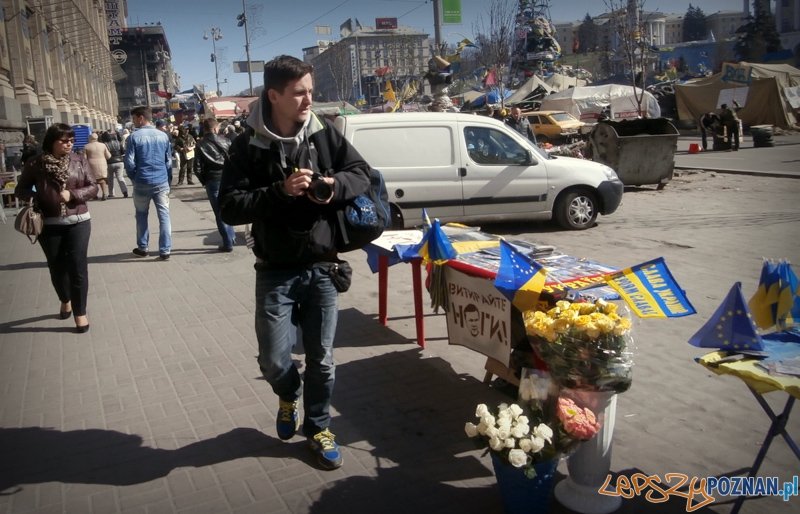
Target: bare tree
632	41
495	33
333	72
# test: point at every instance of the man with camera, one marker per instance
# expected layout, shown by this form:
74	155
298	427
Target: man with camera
275	179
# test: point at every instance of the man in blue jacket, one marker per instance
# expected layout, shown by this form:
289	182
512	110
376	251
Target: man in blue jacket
148	159
270	181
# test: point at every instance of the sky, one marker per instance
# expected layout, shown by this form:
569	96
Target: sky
286	27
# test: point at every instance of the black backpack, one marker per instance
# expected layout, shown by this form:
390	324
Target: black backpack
364	218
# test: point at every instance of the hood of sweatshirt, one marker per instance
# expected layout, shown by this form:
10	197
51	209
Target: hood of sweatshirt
259	120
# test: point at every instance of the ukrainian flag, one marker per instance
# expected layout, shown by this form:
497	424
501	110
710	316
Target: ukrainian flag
764	304
435	246
788	308
519	278
651	291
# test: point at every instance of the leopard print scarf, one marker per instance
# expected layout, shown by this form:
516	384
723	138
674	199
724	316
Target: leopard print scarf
59	168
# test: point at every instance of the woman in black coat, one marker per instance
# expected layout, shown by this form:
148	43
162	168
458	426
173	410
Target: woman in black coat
63	183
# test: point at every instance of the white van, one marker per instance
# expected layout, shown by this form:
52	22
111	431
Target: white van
474	169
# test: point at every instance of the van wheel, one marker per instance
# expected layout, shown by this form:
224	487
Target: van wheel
395	219
576	210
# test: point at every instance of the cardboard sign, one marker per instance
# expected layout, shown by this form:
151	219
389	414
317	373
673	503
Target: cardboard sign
478	315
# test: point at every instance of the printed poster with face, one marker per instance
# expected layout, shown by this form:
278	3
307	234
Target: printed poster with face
478	315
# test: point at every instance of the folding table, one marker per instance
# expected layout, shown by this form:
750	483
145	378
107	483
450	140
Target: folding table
760	382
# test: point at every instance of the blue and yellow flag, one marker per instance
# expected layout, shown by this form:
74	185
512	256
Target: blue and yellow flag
650	290
435	246
731	328
519	278
788	309
764	304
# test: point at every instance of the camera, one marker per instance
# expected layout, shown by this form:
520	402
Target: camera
319	189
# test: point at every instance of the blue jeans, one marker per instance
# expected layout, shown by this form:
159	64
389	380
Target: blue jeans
226	231
159	193
284	300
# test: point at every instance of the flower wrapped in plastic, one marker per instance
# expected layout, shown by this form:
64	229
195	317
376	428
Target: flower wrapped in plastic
521	441
586	346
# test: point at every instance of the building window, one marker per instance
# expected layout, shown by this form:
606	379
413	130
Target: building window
785	3
786	25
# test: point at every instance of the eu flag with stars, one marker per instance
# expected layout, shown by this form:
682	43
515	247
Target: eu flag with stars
519	278
731	328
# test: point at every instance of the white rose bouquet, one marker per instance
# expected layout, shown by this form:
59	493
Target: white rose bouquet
510	435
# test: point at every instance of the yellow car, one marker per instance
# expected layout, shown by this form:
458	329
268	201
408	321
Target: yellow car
554	126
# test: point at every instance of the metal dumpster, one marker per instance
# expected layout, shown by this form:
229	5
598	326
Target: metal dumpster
641	151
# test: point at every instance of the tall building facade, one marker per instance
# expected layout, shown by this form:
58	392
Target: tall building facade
366	57
55	64
144	55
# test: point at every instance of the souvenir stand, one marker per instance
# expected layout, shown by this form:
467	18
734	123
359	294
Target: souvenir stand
764	361
481	318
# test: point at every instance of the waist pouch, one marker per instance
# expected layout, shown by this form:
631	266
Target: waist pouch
340	272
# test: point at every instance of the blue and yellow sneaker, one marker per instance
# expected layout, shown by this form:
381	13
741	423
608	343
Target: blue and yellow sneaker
328	454
288	421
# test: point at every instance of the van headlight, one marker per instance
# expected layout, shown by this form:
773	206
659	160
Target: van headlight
610	173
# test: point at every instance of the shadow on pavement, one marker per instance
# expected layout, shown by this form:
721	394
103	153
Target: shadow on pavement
35	455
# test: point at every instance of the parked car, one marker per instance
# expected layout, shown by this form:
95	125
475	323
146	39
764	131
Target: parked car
554	126
474	169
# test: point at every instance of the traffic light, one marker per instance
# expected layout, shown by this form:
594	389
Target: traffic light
242	18
212	58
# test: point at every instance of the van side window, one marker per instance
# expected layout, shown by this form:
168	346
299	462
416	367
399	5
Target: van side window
492	147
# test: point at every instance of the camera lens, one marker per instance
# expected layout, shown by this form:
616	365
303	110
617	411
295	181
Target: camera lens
320	190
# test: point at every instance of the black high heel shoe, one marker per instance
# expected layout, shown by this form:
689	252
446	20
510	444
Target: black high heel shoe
82	330
65	315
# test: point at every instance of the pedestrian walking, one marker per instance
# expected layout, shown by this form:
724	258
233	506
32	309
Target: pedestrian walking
97	154
59	183
29	149
211	155
266	182
116	168
185	143
148	159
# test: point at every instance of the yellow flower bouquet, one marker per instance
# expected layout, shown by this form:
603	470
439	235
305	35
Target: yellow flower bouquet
585	345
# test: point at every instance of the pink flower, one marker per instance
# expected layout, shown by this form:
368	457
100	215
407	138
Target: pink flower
578	422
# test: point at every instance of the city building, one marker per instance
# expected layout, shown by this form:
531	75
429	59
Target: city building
673	29
787	20
55	66
143	53
723	24
365	57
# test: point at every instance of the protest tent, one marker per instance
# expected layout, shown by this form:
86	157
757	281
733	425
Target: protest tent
588	102
532	88
334	108
761	89
230	106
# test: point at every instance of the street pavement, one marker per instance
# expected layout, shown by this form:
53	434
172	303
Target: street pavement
160	406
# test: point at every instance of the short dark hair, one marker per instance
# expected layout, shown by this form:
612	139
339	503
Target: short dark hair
143	110
283	69
724	106
208	125
55	132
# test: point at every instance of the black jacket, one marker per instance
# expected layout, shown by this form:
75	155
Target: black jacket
288	231
210	156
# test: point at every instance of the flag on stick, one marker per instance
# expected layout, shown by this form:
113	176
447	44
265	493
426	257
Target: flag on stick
519	278
651	291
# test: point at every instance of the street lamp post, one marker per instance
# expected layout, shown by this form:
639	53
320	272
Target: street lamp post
243	21
216	35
